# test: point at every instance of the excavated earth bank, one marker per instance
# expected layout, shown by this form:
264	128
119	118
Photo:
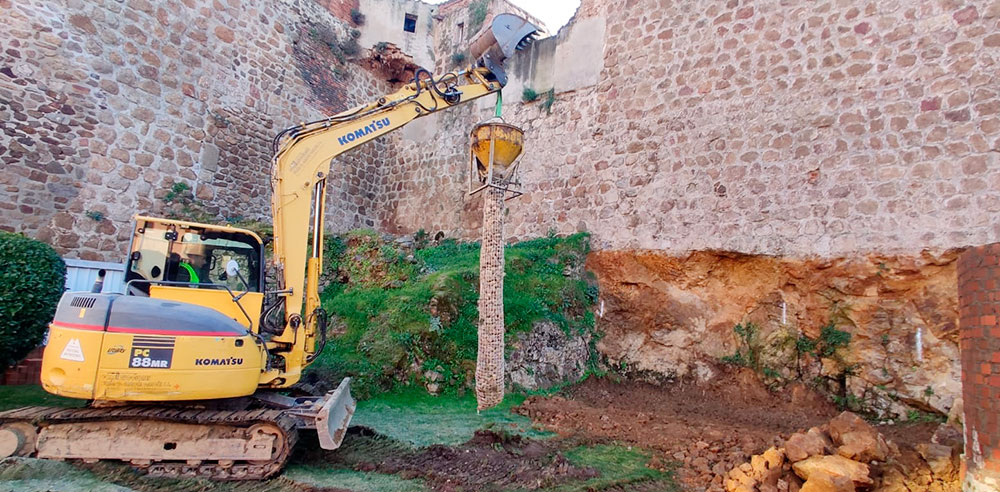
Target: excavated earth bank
673	316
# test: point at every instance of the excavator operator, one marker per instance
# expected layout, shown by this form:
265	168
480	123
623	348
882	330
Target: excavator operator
191	266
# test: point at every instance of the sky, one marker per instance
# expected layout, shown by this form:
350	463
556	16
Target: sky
554	13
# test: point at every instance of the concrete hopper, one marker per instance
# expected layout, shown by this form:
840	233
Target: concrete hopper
495	147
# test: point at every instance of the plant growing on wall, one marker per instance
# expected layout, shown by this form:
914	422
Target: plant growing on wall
182	205
550	97
339	48
477	15
529	95
457	59
357	17
349	47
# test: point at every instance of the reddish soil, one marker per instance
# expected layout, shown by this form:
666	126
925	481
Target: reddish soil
707	429
489	461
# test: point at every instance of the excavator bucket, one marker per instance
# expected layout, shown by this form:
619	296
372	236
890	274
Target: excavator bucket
506	34
334	416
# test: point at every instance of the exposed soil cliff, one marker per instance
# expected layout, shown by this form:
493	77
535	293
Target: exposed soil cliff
670	315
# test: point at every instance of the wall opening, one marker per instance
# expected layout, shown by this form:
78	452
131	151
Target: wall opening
410	23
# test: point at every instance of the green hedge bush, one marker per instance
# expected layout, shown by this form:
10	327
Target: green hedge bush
32	277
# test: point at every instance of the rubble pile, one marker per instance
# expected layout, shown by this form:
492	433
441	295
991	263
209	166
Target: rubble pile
846	455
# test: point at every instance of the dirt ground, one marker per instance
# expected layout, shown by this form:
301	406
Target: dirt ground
489	461
705	430
700	432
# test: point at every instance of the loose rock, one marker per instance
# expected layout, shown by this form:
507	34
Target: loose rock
833	465
805	444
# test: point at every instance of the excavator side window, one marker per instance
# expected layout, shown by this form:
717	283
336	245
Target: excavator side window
202	256
165	252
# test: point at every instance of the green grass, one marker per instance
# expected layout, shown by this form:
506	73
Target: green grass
407	415
406	313
618	466
34	475
412	416
32	395
317	476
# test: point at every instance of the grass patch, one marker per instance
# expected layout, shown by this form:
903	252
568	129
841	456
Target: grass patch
403	313
31	475
317	476
410	415
618	466
33	395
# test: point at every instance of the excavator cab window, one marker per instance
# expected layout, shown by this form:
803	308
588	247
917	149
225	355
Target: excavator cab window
204	255
172	253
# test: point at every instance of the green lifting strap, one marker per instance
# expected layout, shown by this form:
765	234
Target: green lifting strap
192	275
499	102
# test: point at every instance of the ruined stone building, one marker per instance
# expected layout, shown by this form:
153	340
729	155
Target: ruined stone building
794	163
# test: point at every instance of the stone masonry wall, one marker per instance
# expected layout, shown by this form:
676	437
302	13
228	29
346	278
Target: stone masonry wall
818	128
105	105
339	8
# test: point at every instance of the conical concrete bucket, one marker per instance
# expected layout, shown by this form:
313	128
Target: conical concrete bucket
503	141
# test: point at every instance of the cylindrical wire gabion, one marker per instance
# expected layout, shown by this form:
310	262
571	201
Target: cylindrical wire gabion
490	359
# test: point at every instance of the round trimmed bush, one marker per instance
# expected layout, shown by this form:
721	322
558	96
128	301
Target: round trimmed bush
32	277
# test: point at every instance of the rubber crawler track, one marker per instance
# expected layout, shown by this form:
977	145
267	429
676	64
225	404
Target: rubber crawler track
42	416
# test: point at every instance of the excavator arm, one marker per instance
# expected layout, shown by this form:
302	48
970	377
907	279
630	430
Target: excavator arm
302	163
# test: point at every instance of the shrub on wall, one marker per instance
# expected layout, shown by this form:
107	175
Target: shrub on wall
31	281
529	95
357	17
477	15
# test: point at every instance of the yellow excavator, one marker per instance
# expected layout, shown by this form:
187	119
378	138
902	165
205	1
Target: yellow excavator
184	372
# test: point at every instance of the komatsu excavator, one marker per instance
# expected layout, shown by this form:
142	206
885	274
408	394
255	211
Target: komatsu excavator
184	371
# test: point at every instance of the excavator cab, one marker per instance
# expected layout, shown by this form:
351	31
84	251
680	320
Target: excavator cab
188	262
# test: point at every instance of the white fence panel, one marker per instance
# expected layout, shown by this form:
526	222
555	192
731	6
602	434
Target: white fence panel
81	275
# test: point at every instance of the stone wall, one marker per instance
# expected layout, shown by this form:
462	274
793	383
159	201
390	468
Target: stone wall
979	304
105	105
340	8
822	128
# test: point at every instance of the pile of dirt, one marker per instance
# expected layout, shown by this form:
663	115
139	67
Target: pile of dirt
489	461
706	429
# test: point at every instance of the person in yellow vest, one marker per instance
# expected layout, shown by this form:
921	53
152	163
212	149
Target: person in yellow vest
194	265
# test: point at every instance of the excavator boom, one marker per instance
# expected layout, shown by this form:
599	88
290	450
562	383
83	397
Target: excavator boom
303	159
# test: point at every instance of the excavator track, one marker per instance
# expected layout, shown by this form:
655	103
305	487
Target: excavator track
160	440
